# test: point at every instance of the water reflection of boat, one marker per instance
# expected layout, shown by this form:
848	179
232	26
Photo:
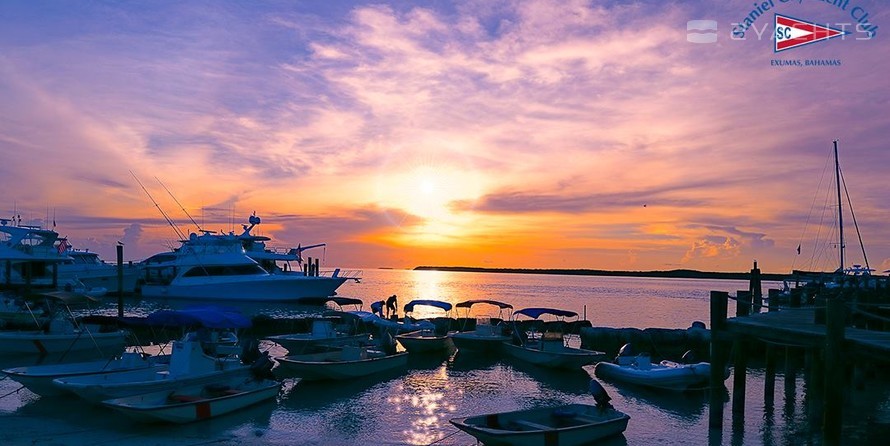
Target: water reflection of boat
572	424
687	406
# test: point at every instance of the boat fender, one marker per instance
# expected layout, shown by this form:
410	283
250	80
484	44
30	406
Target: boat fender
600	395
689	357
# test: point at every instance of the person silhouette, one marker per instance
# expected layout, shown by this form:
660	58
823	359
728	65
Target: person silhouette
392	306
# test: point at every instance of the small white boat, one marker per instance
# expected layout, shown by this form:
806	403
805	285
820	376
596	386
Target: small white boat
197	402
486	337
190	364
39	378
341	363
549	349
323	333
569	425
63	334
426	339
639	370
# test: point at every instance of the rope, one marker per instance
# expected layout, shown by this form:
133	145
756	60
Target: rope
14	391
445	437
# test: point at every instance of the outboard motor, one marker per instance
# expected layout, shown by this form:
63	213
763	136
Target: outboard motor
689	357
262	367
600	395
626	355
387	343
250	351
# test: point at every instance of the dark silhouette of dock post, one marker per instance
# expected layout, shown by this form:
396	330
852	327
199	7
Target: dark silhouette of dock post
769	381
718	357
740	364
307	268
316	267
756	289
773	304
834	370
120	280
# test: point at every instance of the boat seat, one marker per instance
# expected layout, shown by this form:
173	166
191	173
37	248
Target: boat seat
531	425
185	398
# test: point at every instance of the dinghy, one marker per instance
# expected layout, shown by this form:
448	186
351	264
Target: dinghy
568	425
639	370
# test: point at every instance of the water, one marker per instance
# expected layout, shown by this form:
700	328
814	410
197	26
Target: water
414	406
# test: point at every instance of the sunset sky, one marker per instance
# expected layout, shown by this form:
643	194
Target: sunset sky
544	134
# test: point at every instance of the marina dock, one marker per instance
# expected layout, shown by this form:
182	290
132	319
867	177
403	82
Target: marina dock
842	336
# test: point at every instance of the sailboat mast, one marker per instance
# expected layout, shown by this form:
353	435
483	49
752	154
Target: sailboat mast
840	212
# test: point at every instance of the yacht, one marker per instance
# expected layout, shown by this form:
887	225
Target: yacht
30	255
218	267
86	269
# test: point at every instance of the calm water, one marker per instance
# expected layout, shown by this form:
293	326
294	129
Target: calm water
414	406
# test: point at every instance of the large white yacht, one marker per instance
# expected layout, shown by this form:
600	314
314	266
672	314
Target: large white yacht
29	254
222	267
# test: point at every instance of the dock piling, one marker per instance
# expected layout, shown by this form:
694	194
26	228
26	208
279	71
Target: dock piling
835	318
719	300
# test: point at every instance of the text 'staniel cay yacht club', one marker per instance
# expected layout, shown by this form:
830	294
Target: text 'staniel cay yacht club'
225	267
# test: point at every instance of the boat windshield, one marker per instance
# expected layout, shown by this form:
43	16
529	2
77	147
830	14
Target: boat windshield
225	270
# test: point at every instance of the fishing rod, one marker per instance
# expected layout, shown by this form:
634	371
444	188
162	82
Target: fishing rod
200	229
164	214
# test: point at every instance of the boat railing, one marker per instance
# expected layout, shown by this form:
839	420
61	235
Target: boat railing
352	274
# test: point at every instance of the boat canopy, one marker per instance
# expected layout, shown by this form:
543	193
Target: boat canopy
210	317
534	313
470	303
409	307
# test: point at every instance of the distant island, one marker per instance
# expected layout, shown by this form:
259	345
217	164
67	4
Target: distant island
675	273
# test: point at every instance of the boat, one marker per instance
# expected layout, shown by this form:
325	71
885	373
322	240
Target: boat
346	362
323	332
30	255
567	425
199	358
216	267
196	403
639	370
486	336
84	269
548	348
428	339
39	378
61	333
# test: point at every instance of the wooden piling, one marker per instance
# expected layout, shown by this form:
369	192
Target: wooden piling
773	303
769	381
718	357
316	267
834	371
743	303
756	289
739	375
120	280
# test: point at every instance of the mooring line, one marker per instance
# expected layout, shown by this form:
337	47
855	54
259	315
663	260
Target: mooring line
445	437
14	391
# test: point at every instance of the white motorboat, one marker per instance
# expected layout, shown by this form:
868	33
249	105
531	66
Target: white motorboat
548	348
39	378
87	271
639	370
216	267
62	334
30	255
426	339
197	359
486	336
195	403
568	425
323	333
345	362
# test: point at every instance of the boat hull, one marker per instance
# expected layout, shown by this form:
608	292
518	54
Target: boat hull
325	366
420	342
473	342
119	385
39	379
555	356
272	288
678	377
193	403
301	342
570	425
40	343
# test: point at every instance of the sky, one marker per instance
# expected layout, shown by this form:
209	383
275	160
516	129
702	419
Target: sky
532	134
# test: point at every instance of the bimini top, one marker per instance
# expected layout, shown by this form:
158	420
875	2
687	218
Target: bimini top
534	313
470	303
409	307
210	317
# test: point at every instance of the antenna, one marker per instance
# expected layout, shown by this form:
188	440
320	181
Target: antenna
164	214
180	205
